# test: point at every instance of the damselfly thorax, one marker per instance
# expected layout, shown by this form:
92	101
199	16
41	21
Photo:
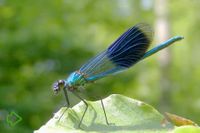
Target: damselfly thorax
73	82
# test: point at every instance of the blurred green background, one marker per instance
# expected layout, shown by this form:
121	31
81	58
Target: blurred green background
43	41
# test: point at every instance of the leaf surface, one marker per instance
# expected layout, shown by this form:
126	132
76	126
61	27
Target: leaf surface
124	115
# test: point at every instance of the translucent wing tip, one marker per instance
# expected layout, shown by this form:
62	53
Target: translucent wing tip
131	46
146	29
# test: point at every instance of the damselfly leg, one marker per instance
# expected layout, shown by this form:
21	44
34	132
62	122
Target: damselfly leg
104	112
86	104
67	104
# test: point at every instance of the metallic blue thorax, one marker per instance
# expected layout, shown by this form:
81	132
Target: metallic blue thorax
76	79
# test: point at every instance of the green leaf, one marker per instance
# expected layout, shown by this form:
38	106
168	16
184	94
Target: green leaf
187	129
125	115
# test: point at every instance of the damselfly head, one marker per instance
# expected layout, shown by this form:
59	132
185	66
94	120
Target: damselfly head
57	86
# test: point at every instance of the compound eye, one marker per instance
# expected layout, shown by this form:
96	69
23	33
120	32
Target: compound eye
61	83
58	85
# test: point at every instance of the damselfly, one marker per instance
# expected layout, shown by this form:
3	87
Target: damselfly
130	48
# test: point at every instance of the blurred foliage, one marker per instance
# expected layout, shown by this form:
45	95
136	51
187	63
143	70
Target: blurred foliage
43	41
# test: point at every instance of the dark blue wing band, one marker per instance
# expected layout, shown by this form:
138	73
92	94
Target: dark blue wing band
130	46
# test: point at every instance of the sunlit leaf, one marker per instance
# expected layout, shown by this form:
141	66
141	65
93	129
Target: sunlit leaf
124	114
187	129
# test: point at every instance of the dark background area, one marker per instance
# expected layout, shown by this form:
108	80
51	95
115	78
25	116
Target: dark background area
43	41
